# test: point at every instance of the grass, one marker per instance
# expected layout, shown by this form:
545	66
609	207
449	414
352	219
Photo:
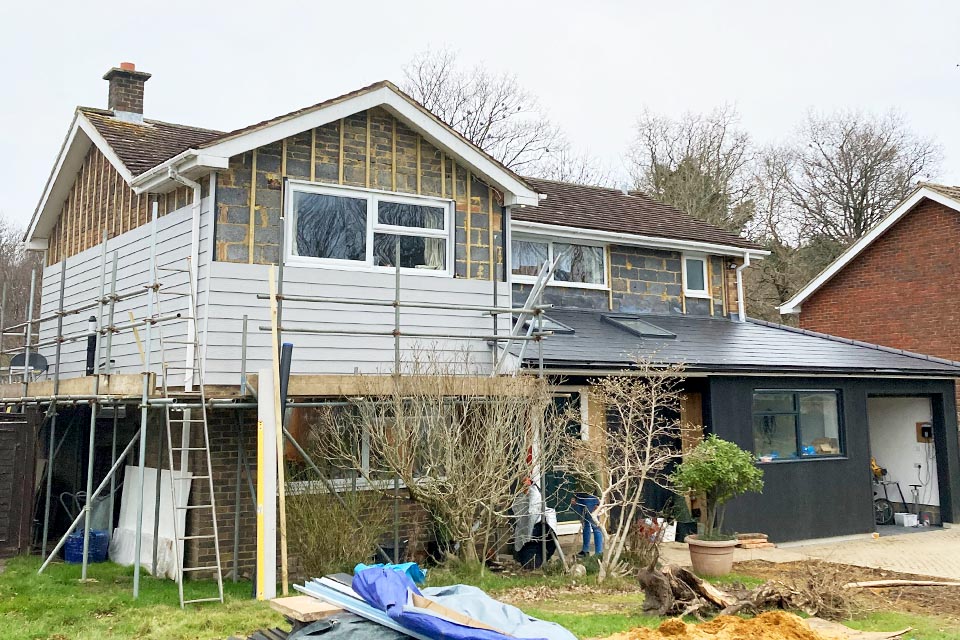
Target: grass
56	606
925	627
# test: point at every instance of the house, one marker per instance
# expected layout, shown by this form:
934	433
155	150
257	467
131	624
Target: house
894	287
325	199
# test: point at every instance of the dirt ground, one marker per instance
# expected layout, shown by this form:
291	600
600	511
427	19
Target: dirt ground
940	601
772	625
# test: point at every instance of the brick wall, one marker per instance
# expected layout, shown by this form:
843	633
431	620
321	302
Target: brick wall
370	149
902	291
644	280
101	200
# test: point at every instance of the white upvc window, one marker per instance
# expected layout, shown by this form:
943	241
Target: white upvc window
695	283
581	265
355	228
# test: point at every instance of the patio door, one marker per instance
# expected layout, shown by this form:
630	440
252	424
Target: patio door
560	486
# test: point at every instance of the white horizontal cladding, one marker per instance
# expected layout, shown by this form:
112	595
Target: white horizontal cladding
82	287
234	290
559	232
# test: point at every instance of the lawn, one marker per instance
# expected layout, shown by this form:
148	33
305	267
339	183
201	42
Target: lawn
56	606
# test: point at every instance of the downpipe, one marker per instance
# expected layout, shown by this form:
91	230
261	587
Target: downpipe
191	355
741	303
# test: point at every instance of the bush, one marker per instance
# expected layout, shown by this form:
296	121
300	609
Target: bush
719	470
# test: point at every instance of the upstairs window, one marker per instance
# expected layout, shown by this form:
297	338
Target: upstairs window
580	265
355	227
695	283
789	425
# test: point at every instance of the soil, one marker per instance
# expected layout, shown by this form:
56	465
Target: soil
940	601
772	625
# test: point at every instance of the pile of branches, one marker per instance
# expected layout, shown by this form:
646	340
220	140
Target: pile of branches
676	591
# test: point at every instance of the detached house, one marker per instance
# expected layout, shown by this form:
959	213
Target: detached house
335	193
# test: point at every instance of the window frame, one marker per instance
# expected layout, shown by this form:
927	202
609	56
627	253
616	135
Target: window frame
373	197
687	291
550	241
798	435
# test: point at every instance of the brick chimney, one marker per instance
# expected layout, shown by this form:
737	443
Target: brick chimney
126	91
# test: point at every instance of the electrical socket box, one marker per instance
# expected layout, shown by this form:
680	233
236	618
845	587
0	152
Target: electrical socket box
925	432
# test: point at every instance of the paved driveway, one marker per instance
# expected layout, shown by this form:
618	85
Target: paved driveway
930	553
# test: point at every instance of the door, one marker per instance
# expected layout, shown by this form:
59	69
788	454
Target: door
559	485
16	483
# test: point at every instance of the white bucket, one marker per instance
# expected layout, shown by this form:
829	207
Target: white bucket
905	519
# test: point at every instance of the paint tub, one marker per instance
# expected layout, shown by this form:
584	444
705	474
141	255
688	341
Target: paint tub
99	544
905	519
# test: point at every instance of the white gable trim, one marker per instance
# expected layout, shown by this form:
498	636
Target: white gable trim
794	304
630	239
516	192
69	160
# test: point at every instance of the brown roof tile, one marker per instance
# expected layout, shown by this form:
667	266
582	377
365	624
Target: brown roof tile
947	190
606	209
142	146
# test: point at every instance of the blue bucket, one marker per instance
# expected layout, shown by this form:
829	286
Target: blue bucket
99	545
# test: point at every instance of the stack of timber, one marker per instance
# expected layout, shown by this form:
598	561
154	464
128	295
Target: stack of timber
754	541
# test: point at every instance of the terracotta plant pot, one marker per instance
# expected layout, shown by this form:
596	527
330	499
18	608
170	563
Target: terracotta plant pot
711	557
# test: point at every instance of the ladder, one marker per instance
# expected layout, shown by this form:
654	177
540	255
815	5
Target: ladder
192	455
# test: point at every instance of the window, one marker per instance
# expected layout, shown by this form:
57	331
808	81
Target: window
546	324
796	424
580	265
639	327
355	227
695	276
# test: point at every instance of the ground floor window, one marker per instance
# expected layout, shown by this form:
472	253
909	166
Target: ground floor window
796	424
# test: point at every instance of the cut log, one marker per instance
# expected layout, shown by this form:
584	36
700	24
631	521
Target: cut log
700	586
886	584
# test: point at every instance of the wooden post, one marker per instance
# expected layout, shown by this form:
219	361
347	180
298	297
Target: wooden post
278	420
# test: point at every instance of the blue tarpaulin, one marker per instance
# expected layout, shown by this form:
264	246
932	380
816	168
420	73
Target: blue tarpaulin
393	593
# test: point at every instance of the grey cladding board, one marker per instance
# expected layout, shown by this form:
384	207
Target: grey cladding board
716	344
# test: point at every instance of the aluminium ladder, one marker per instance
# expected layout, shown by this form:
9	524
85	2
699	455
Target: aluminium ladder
187	419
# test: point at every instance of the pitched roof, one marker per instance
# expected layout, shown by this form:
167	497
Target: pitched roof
944	194
141	146
611	210
721	345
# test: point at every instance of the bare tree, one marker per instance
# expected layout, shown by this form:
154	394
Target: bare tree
628	449
567	165
463	447
699	163
15	266
853	168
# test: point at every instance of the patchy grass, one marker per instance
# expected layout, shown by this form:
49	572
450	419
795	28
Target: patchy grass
56	606
925	627
597	625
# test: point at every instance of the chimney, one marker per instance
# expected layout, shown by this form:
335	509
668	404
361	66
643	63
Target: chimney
126	91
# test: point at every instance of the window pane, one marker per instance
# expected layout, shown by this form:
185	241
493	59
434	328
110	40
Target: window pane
695	279
579	263
415	252
330	226
773	403
527	257
402	214
819	424
775	436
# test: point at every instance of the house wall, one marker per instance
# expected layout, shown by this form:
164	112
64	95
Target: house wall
644	280
82	286
826	497
370	149
901	291
100	200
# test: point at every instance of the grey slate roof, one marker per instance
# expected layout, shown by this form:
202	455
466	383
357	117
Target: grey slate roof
721	345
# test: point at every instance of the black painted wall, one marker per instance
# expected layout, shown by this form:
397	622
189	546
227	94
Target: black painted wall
807	499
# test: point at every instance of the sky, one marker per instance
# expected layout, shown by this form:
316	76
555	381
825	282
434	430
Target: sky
593	65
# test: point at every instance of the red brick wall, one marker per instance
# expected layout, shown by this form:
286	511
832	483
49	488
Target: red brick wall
903	291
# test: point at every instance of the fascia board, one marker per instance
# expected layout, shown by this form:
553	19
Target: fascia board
794	304
538	228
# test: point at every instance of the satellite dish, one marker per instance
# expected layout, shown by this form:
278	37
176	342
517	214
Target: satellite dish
37	362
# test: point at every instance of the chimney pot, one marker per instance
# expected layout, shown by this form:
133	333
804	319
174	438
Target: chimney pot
125	98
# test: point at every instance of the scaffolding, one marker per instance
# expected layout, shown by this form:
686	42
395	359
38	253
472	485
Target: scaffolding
526	328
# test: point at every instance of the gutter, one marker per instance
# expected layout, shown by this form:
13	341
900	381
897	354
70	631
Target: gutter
741	303
192	354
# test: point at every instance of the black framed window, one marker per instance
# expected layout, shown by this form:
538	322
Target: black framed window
790	425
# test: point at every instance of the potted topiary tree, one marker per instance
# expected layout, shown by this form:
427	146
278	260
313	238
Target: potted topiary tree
718	470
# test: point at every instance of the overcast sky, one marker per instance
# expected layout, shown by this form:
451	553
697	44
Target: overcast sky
592	64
